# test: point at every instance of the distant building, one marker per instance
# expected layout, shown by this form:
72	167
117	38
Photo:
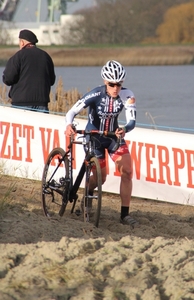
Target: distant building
7	9
50	32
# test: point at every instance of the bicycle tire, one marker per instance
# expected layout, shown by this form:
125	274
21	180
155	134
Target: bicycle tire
92	215
55	184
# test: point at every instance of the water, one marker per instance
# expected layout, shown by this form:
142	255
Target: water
164	94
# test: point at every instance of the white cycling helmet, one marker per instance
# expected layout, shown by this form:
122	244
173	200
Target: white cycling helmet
113	71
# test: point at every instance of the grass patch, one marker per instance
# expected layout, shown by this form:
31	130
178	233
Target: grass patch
60	101
6	197
98	54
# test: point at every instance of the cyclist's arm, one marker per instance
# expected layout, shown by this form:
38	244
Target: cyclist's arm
130	109
130	114
76	109
82	103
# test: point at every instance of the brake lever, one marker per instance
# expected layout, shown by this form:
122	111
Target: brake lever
120	140
74	126
118	143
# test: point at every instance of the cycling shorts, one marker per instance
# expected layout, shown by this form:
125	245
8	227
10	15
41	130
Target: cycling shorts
109	144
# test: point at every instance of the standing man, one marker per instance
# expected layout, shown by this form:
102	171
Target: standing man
30	73
105	104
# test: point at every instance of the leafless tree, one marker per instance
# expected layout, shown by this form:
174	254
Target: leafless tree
121	21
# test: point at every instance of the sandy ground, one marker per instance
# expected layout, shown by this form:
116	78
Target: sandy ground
69	259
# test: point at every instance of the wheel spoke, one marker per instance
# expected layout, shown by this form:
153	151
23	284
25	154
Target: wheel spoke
92	207
54	183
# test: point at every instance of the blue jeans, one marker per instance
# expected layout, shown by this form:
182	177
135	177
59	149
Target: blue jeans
43	109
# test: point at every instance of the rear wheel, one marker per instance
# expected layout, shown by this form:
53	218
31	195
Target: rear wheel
55	183
92	201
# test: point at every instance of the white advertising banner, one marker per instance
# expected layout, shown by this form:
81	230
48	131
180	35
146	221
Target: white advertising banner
163	162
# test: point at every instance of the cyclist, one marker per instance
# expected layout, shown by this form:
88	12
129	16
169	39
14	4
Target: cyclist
104	104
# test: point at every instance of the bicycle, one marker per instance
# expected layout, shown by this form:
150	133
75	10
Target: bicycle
58	187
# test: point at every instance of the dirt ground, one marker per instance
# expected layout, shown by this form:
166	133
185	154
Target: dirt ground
66	258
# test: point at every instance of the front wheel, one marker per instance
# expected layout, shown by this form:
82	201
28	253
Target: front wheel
92	207
55	183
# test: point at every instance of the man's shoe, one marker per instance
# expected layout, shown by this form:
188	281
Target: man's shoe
128	220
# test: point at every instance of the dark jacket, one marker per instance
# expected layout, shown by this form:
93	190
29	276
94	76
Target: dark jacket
30	73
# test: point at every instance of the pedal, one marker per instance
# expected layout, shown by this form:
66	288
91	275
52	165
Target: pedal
54	184
62	180
78	212
45	191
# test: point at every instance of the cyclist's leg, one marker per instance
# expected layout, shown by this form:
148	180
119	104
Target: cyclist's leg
122	159
100	155
93	177
123	164
92	198
94	182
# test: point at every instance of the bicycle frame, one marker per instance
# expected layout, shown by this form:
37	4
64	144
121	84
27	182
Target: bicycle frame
55	183
73	188
89	154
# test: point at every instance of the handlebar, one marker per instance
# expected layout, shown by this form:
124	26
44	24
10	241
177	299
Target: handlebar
93	131
102	133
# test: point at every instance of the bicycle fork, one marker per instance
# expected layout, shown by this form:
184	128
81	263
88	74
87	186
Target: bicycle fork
86	210
73	192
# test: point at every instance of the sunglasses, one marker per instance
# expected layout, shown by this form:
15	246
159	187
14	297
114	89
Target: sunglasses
111	84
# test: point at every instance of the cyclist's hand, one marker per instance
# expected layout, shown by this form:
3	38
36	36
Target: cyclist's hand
120	133
69	130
